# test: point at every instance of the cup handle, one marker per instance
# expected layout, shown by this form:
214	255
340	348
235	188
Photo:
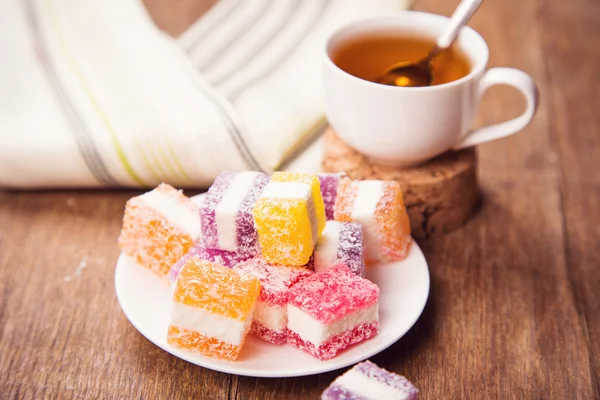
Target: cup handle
511	77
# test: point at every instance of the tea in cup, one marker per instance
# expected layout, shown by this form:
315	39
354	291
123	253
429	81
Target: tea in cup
403	126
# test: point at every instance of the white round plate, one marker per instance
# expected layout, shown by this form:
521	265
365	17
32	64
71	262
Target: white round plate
404	287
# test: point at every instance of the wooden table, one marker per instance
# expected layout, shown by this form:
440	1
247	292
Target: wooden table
514	310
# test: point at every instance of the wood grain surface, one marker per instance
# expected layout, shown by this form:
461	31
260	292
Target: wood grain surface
514	311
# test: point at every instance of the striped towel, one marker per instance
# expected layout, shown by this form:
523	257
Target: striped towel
94	95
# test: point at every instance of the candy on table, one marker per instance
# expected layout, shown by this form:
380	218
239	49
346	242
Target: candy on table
159	227
378	206
270	315
212	309
340	243
329	184
226	212
222	257
289	217
331	310
367	381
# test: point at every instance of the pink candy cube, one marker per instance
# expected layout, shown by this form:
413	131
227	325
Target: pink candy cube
332	310
270	315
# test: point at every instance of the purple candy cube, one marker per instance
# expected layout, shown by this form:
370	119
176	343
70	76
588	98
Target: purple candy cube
226	212
329	184
366	381
340	243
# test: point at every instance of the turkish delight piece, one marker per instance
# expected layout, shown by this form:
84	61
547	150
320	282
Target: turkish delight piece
212	309
332	310
226	212
340	243
379	207
289	217
367	381
329	184
270	315
313	182
159	227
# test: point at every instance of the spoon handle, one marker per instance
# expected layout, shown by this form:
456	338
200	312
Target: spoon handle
460	17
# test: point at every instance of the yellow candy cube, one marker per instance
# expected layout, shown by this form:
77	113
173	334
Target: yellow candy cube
289	218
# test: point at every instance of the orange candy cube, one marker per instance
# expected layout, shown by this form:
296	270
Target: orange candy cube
159	227
379	207
212	309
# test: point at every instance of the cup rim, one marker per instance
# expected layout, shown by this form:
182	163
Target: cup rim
477	69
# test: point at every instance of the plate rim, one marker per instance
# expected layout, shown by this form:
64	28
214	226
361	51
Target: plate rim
287	373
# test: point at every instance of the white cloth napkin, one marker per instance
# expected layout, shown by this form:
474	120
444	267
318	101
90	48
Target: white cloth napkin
94	95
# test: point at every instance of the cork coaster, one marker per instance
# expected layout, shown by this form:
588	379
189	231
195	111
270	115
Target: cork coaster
440	194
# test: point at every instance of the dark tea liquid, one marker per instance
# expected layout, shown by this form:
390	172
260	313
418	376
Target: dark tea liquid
367	57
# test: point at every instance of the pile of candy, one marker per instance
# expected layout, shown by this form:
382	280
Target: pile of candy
280	257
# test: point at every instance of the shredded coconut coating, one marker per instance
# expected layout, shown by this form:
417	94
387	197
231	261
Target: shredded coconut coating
311	180
220	291
393	225
405	390
222	257
349	248
150	238
247	240
216	289
200	344
284	230
207	209
403	385
346	193
268	335
275	283
275	280
329	184
336	392
333	293
333	346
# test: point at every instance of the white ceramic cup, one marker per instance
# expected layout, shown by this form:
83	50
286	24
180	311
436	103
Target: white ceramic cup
404	126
